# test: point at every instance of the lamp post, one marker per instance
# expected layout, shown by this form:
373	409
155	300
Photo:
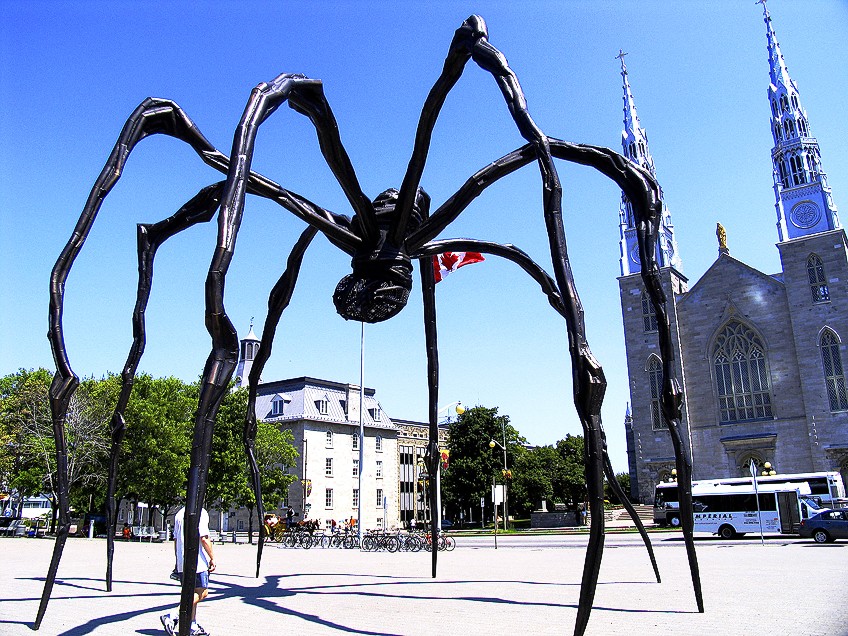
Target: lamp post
507	474
768	471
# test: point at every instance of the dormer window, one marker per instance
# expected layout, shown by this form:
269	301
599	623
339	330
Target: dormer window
322	405
278	405
375	414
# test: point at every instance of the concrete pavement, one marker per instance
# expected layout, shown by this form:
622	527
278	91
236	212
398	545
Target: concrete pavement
785	587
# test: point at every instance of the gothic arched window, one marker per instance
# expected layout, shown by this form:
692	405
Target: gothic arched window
789	128
833	375
649	316
784	103
784	176
655	380
741	374
802	126
818	280
799	175
774	108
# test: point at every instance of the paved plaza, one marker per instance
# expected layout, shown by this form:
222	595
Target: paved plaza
529	586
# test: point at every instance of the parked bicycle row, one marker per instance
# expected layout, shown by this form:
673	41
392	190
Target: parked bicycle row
371	541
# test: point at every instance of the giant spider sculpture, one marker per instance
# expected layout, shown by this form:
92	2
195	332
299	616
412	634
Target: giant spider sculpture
383	238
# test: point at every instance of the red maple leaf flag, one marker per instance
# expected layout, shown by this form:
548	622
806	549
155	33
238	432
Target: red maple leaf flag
444	264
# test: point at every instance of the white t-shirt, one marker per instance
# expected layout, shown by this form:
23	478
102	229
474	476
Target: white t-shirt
203	530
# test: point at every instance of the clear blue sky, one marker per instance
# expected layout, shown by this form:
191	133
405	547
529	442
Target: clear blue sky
73	71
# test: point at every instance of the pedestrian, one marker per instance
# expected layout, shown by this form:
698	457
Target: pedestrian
205	565
290	518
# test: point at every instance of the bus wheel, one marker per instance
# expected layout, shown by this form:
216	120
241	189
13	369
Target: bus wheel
821	536
726	532
674	521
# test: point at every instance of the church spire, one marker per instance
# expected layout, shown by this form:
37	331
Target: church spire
634	143
803	199
249	349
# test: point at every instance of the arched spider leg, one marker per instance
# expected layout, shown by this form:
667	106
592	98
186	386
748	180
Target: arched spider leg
646	198
278	300
589	383
199	209
549	287
264	100
152	116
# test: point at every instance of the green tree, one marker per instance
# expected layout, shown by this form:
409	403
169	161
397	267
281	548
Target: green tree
570	484
534	475
473	464
155	453
623	481
25	410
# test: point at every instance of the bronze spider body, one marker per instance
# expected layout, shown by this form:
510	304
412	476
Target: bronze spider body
383	238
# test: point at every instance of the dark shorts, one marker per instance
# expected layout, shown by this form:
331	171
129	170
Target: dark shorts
201	580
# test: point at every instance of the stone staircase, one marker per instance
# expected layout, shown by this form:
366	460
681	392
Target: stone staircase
620	516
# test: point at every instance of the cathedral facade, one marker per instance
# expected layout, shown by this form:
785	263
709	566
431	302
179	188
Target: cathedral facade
759	356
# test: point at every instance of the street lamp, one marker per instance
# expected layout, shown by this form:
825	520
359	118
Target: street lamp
507	474
768	470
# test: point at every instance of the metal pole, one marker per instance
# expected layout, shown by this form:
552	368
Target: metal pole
361	429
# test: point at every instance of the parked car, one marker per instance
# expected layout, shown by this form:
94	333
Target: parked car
826	526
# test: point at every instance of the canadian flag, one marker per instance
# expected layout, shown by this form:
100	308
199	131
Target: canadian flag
444	264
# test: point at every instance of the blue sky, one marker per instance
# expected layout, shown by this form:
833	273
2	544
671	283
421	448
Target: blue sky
71	73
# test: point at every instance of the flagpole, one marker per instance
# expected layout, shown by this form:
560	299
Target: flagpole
361	429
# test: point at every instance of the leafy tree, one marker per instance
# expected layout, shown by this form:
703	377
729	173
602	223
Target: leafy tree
24	405
570	484
534	475
623	481
25	410
155	453
473	464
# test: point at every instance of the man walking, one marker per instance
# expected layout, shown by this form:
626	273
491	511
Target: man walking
205	565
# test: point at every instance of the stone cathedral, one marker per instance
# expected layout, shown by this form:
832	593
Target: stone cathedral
760	356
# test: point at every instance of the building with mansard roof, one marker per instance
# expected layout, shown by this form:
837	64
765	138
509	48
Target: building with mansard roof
760	356
323	417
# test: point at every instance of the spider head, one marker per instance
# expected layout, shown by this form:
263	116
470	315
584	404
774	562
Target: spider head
379	285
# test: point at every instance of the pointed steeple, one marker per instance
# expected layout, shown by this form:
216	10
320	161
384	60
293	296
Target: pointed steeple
803	199
634	143
249	349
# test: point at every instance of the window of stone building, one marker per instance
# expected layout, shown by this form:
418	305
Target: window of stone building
356	497
328	467
328	498
379	497
378	444
818	280
742	379
322	405
655	380
834	376
356	468
649	316
356	441
329	443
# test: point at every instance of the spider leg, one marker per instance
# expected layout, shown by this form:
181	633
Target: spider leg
199	209
428	289
277	302
645	195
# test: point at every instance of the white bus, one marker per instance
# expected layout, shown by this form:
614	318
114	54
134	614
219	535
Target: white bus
827	487
733	511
